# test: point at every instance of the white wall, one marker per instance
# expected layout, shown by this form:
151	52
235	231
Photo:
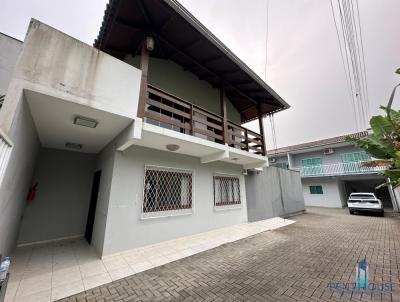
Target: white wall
9	51
105	163
17	178
62	201
331	196
125	228
56	64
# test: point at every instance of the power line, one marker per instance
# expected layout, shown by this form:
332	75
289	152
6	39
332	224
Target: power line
347	75
266	42
346	51
363	57
353	51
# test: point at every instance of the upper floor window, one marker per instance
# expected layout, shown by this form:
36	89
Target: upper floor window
311	162
355	157
312	166
226	190
167	190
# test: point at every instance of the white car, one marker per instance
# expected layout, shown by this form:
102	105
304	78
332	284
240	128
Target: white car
364	202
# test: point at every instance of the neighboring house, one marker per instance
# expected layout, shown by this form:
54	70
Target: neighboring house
134	141
9	51
331	169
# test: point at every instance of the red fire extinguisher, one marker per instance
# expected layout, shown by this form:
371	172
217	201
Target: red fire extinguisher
32	193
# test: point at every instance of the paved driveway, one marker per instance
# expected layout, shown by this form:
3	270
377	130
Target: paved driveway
300	262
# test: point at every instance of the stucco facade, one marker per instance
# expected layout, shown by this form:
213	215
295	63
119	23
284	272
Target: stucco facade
331	169
56	88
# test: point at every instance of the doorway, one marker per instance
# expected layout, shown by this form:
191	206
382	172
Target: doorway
92	206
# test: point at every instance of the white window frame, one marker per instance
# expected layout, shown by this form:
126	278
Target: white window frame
231	206
169	213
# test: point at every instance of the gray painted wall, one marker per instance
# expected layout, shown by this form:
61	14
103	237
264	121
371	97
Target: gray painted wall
126	230
105	163
18	176
9	51
61	205
171	77
273	192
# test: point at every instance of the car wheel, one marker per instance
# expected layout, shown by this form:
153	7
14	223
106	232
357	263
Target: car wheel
382	214
351	212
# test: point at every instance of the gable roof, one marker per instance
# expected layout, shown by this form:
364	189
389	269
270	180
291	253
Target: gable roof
180	37
318	143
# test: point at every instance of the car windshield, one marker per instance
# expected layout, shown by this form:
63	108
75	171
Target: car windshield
362	196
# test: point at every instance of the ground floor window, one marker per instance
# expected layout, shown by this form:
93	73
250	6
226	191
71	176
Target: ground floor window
316	190
226	190
167	189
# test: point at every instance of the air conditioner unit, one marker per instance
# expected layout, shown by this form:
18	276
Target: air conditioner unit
272	160
329	151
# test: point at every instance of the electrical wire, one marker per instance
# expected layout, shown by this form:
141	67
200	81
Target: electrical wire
347	75
354	64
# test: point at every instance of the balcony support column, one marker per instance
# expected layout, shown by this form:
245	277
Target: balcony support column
224	115
144	66
261	124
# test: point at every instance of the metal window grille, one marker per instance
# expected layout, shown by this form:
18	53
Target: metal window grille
226	190
167	189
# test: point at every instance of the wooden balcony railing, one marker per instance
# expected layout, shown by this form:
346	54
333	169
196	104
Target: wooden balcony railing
168	111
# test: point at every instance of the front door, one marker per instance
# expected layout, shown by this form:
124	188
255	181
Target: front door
92	206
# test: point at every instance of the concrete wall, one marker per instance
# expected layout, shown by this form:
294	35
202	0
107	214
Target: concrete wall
171	77
332	192
273	192
61	205
17	179
56	64
105	163
126	230
9	51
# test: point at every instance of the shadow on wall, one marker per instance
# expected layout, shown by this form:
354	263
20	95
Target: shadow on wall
273	192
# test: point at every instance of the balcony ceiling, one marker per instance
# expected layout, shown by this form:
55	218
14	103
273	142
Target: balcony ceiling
180	37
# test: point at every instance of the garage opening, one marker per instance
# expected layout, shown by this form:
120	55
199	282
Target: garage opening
369	186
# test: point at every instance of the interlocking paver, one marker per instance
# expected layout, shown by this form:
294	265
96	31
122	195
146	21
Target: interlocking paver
294	263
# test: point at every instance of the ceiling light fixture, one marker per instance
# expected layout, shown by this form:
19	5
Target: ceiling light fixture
85	122
75	146
172	147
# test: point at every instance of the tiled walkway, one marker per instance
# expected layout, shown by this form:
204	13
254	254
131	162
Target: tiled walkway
295	263
53	271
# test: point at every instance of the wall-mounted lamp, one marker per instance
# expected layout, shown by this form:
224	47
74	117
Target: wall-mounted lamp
150	43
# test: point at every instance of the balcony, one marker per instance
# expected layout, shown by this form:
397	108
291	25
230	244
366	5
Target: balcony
351	168
168	111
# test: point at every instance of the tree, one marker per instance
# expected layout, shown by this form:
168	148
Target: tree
384	141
